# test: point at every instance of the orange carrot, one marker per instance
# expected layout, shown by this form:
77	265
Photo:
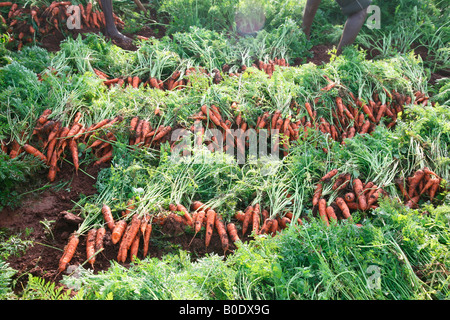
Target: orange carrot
101	232
90	246
349	197
414	183
15	149
69	251
428	171
186	214
434	188
322	211
74	151
273	228
343	206
309	110
147	234
359	192
369	112
128	237
35	152
240	216
108	155
248	216
256	219
222	231
118	231
232	232
330	213
210	221
317	194
134	248
199	221
108	217
53	169
329	175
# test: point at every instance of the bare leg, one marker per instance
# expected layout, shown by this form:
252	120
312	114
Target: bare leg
351	29
111	29
308	15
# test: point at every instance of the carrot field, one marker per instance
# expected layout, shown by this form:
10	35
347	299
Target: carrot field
223	154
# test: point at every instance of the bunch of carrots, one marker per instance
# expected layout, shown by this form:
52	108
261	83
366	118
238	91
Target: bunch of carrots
423	182
172	83
28	22
352	194
52	139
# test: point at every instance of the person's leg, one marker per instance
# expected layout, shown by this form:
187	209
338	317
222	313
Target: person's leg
308	15
110	28
351	29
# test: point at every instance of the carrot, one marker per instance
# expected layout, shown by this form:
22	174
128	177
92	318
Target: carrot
90	246
349	197
211	115
343	206
52	171
108	217
427	186
100	236
381	112
256	219
338	182
412	203
199	221
369	113
358	188
428	171
330	213
240	216
434	188
248	216
108	155
322	211
329	175
317	194
210	221
69	251
365	127
128	237
290	216
134	248
222	231
400	183
162	133
35	152
197	205
74	151
147	234
135	82
118	231
372	198
15	149
414	183
6	4
186	214
233	233
283	222
273	228
266	227
309	110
